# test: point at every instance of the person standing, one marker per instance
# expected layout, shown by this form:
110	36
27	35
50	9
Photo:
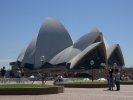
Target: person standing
22	73
111	79
43	78
117	80
18	75
3	72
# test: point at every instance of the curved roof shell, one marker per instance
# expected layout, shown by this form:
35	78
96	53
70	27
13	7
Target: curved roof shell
114	55
21	55
30	52
69	53
105	42
54	42
52	39
87	40
78	59
65	56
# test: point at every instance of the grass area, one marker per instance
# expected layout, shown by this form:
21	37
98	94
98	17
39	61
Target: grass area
85	83
24	86
131	81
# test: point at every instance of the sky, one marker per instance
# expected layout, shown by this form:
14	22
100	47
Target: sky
20	21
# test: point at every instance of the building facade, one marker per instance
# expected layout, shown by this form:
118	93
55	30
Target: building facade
53	49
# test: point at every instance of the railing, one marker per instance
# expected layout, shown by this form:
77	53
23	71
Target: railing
15	81
64	80
76	79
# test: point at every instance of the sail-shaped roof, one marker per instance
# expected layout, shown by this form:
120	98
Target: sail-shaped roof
52	39
114	55
21	55
87	40
55	44
82	43
65	55
30	52
77	59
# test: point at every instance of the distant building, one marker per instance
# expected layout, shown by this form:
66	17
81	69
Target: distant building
53	49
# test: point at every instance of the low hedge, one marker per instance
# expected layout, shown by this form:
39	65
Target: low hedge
24	86
126	82
29	89
91	84
84	84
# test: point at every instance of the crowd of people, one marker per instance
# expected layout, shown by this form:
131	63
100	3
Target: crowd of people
9	74
113	76
19	74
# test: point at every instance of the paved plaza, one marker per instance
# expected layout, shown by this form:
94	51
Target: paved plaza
126	93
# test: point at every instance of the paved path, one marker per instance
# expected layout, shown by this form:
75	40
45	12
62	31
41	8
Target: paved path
126	93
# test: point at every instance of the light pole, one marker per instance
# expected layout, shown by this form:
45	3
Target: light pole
42	59
92	63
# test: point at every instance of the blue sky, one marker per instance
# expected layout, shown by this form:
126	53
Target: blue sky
20	21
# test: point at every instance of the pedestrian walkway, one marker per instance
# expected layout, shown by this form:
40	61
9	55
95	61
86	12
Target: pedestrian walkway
126	93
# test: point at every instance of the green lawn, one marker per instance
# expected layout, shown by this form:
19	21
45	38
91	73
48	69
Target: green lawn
24	86
122	82
127	82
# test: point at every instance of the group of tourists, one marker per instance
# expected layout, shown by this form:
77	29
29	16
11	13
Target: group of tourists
114	78
17	74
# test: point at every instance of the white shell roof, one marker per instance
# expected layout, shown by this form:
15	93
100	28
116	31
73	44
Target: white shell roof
55	43
111	49
30	52
21	55
52	39
65	55
105	42
86	40
77	58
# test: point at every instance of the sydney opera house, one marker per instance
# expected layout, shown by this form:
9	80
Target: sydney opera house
53	47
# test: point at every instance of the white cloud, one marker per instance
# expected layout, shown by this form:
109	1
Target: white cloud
6	60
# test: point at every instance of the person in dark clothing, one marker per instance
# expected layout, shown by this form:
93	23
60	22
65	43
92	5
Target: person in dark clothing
3	72
11	74
22	73
111	79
